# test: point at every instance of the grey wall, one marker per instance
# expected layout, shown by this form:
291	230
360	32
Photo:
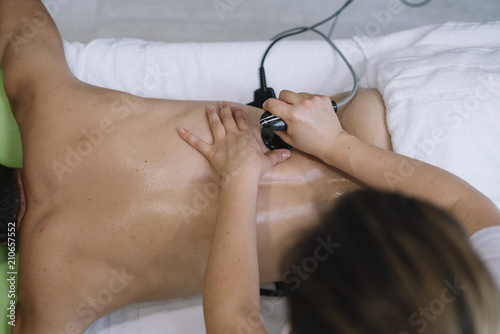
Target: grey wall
245	20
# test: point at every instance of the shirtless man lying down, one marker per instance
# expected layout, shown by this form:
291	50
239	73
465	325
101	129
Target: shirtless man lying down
130	219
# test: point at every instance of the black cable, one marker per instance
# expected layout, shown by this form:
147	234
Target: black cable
300	30
338	12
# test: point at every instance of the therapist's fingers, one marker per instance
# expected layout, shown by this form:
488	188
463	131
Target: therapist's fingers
218	130
227	117
275	157
277	108
241	118
194	141
285	137
290	97
306	96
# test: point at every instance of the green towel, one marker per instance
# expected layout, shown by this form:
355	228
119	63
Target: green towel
11	152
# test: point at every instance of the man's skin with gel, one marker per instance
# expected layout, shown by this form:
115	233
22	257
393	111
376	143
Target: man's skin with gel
117	208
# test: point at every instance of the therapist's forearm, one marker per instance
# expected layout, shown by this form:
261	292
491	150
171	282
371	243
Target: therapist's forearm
386	170
231	286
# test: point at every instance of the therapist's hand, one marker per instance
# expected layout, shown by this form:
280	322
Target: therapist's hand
235	149
312	125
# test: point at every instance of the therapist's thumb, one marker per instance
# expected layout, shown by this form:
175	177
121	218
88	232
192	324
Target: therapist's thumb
277	156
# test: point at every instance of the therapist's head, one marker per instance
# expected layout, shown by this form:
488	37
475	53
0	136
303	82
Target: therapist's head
10	199
399	265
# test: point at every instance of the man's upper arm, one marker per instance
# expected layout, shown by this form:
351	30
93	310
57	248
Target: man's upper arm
32	53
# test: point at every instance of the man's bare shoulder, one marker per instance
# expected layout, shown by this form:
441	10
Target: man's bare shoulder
364	117
57	110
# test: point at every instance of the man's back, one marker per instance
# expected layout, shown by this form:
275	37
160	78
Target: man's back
120	210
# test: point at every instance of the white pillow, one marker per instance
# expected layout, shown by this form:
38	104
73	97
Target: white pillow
441	88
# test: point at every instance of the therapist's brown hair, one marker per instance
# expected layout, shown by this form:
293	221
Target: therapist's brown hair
400	266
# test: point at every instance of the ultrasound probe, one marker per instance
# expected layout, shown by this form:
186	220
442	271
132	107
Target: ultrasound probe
272	123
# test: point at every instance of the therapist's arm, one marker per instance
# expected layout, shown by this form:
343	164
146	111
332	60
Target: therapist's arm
313	127
231	286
